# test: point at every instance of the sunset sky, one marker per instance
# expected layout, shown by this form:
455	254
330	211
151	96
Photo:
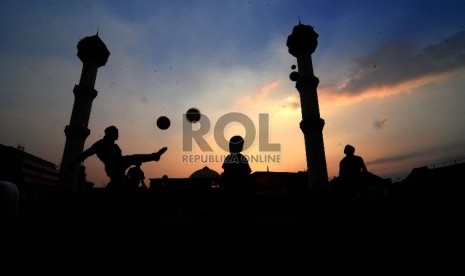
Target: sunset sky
392	78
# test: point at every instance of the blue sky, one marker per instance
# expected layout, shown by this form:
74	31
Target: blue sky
391	77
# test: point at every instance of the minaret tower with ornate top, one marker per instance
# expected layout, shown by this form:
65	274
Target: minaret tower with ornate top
93	53
302	43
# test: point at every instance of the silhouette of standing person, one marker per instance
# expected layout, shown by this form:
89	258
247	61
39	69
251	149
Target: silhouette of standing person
235	178
115	163
351	172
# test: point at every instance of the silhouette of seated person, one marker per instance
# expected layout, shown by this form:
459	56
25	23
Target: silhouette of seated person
115	163
135	178
352	173
235	179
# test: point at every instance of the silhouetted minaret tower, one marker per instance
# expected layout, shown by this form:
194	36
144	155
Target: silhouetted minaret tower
93	53
302	43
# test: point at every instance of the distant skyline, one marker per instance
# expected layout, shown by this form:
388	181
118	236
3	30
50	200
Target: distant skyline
392	78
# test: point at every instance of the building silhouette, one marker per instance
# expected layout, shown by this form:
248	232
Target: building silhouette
35	177
302	43
93	53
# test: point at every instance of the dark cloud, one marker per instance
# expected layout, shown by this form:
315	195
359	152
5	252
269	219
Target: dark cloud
452	151
397	158
398	62
144	99
379	124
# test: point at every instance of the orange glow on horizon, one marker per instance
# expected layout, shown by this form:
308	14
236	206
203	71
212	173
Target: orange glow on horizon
285	116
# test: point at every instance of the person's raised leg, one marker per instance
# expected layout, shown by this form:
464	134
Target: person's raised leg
134	159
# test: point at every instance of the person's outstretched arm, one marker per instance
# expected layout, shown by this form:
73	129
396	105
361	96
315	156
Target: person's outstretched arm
88	152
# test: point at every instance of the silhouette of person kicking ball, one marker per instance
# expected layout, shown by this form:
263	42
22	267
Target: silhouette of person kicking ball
235	178
351	172
115	163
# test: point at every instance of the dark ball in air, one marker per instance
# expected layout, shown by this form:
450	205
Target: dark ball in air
163	122
293	67
294	76
193	115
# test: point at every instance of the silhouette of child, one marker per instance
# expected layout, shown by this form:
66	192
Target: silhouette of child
135	177
115	163
235	178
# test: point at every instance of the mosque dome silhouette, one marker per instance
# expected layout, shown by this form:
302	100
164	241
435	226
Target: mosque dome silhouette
93	49
205	172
